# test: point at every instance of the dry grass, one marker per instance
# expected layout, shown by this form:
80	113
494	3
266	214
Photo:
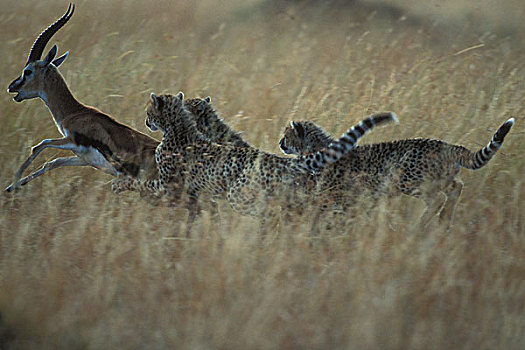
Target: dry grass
83	268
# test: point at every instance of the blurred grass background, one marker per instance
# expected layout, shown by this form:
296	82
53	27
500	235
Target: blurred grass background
83	268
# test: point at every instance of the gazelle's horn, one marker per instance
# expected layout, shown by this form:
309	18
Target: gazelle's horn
45	36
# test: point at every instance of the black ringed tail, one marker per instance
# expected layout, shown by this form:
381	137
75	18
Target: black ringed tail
346	142
483	156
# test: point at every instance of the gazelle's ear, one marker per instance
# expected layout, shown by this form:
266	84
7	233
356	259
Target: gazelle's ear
180	96
297	129
57	62
207	99
50	56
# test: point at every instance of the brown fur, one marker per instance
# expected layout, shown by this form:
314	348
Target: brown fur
95	138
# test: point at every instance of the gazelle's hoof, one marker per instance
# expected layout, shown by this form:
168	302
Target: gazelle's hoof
11	188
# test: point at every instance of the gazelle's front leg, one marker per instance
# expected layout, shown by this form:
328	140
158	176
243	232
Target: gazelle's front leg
63	143
55	163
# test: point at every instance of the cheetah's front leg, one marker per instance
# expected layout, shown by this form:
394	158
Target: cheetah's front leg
244	198
123	184
129	183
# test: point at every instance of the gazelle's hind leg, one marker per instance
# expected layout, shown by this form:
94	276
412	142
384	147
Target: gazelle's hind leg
453	192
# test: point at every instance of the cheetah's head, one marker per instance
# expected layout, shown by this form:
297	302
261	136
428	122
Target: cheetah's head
293	140
304	137
163	110
200	108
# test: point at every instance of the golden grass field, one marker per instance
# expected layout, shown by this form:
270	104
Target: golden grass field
82	268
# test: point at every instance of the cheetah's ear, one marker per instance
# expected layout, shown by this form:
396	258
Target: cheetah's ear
297	128
207	99
155	100
181	96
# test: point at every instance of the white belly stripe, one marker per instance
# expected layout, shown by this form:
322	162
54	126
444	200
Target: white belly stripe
91	155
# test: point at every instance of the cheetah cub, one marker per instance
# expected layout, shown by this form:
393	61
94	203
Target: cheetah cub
247	177
211	125
424	168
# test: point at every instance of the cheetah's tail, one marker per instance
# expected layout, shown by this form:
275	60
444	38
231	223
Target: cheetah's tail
349	139
482	157
337	149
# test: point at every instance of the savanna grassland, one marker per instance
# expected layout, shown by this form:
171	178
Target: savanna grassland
82	268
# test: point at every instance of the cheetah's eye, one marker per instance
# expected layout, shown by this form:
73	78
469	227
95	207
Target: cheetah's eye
28	72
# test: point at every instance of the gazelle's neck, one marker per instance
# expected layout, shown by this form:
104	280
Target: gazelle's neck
58	98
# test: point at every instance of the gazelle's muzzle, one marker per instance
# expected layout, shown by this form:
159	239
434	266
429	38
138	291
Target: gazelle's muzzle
14	87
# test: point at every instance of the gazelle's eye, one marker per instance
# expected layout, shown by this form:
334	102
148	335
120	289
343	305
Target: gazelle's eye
28	72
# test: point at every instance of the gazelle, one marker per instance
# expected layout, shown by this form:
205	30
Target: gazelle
94	137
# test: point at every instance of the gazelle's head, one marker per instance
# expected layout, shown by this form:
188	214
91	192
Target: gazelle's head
31	83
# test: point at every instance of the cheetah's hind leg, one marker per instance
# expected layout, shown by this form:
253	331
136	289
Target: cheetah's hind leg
453	192
434	202
193	210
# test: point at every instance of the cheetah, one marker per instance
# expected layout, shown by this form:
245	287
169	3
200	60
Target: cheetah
215	129
211	125
424	168
246	176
